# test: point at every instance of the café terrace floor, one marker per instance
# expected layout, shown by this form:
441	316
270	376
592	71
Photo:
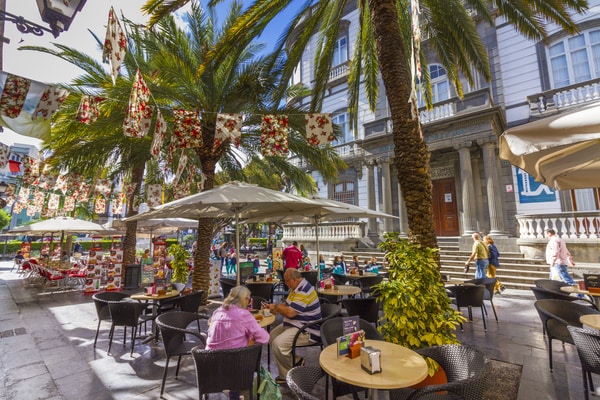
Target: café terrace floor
46	351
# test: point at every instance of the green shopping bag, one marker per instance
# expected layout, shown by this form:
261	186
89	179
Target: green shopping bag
268	389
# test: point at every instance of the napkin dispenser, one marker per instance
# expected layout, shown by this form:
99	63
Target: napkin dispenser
370	359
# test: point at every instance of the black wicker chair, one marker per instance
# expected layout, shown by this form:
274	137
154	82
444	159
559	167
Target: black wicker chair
550	284
366	308
469	296
101	301
366	284
556	315
125	314
257	301
302	381
226	285
214	369
490	285
261	289
588	347
542	293
330	331
327	311
339	279
466	368
311	276
173	327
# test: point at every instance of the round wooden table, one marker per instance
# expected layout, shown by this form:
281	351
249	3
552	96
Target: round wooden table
595	296
400	367
153	299
340	290
591	320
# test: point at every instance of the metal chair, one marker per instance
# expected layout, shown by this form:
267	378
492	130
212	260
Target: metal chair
214	369
366	308
101	301
490	284
588	347
125	314
327	311
556	315
302	381
469	296
466	369
173	327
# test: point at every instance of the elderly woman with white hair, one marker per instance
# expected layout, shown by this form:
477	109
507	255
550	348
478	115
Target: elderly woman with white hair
232	325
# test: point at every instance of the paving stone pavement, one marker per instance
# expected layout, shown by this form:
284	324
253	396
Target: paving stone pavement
47	353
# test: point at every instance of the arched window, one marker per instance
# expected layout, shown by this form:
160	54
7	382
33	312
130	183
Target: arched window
343	121
340	51
575	59
440	87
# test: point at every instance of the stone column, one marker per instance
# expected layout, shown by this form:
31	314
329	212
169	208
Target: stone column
494	194
372	225
468	189
402	213
386	190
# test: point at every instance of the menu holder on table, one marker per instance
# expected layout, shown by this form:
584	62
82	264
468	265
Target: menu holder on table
592	282
349	345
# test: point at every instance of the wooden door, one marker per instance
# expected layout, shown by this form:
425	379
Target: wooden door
445	209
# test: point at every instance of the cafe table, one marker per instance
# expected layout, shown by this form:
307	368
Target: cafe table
595	296
340	290
591	320
400	368
153	300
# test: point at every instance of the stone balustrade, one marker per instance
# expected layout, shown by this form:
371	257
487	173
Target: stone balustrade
569	225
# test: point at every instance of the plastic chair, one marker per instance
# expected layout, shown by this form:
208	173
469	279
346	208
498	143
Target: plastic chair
173	327
214	369
556	315
327	311
101	301
261	289
366	308
469	296
490	285
466	368
302	381
588	347
125	314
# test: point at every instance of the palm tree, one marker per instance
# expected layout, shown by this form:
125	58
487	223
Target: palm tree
169	59
384	45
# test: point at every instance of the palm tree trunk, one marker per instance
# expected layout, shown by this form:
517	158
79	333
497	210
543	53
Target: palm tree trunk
130	242
411	153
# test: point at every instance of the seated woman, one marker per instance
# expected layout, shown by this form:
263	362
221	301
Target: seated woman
232	325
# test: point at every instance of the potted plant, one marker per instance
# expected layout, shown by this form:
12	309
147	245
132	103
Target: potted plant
416	308
179	266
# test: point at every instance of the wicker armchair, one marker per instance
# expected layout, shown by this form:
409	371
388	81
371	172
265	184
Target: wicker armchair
556	315
101	301
541	293
466	368
125	314
327	311
550	284
588	348
302	381
469	296
214	369
366	308
226	285
261	289
490	285
174	330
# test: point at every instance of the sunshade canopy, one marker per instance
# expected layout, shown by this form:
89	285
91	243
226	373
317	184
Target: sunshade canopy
61	224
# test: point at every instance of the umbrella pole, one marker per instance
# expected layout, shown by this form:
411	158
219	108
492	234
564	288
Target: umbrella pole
237	250
317	244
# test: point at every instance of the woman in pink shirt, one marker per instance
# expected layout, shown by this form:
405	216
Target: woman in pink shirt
232	325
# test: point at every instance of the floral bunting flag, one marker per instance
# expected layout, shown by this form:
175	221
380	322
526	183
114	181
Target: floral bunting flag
31	210
4	154
69	204
129	188
84	192
182	163
47	181
182	190
24	195
139	113
10	200
187	128
115	45
62	183
100	206
19	206
228	126
51	100
117	204
160	131
11	189
154	195
13	95
53	201
103	187
319	129
38	200
88	111
274	135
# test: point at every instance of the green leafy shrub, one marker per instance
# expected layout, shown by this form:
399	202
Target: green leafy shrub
179	264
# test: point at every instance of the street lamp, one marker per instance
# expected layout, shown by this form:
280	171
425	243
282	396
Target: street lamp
57	13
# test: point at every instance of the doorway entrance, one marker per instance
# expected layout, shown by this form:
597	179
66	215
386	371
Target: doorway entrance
445	209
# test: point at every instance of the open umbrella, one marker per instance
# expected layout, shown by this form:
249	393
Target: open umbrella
155	225
325	210
562	151
235	200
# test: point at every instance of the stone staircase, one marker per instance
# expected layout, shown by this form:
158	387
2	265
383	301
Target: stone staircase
515	272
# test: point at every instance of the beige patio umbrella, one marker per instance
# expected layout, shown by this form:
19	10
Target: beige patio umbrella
236	200
562	151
